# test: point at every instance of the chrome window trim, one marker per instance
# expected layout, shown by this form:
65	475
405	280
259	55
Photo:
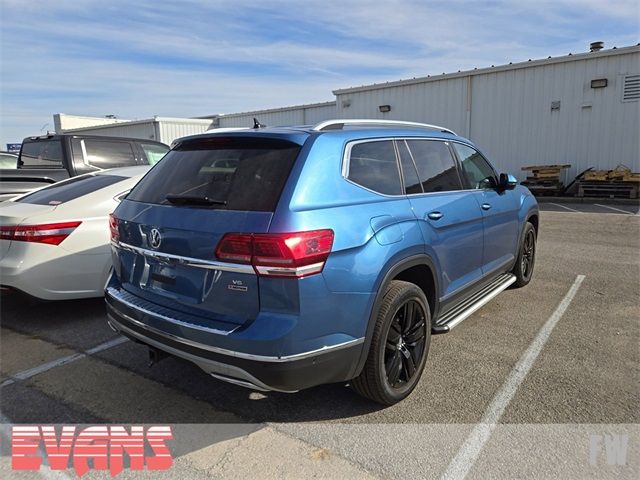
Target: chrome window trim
463	171
235	353
347	156
187	261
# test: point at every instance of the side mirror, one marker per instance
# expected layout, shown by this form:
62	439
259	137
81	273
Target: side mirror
507	181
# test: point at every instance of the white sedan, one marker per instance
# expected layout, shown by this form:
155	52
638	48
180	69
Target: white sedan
54	242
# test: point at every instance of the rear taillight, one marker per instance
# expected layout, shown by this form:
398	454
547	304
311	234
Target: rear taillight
113	228
49	233
296	254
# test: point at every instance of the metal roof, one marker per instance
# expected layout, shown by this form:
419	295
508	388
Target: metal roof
493	69
279	109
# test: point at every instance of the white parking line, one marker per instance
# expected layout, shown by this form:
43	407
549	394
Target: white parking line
469	452
614	208
566	208
32	372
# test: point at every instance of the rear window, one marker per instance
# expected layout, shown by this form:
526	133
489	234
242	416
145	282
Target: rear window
41	153
233	173
71	189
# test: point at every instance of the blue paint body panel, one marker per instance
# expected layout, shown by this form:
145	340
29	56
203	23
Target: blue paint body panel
373	233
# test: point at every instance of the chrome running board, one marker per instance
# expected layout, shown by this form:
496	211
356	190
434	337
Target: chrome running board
472	304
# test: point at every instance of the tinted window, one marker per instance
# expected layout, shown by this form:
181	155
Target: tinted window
477	170
70	189
108	154
373	165
154	152
409	172
436	167
247	173
41	153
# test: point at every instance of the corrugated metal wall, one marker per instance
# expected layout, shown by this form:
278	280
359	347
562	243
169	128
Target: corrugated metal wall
168	130
510	116
439	102
300	115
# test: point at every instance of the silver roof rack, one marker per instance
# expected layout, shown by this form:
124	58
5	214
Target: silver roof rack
338	124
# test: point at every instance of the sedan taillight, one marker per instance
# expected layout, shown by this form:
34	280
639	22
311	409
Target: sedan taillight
297	254
49	233
113	228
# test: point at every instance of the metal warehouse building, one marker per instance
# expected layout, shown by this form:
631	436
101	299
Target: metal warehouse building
298	115
161	129
581	109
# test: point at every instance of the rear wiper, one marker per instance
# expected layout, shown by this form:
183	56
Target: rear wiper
193	200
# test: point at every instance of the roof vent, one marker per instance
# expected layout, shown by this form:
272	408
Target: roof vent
596	46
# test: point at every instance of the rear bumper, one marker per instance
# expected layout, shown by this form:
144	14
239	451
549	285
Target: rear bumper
290	373
48	272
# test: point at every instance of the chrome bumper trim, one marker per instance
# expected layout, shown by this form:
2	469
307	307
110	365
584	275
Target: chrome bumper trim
113	293
186	261
233	353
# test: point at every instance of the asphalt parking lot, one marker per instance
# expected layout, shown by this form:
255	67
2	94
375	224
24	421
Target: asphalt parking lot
585	379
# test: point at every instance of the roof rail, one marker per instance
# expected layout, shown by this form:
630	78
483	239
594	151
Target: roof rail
338	124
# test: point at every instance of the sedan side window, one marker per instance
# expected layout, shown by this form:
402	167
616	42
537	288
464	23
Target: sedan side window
373	165
479	174
436	167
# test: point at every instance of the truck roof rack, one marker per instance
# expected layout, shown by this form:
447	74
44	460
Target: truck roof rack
338	124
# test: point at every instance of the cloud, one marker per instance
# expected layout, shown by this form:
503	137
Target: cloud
199	57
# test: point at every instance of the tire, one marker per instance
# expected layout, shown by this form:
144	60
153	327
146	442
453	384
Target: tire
397	345
523	269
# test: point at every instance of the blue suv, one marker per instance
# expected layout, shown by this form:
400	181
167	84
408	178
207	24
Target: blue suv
284	258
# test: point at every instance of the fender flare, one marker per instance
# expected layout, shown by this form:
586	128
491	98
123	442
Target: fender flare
395	269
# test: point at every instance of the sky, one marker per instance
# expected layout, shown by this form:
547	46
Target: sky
136	59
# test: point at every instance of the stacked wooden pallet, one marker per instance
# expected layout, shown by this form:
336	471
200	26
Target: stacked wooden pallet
620	182
545	179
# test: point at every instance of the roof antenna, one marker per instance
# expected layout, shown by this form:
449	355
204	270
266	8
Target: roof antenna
257	124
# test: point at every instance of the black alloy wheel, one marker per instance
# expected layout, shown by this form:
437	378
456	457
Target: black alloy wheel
405	344
399	345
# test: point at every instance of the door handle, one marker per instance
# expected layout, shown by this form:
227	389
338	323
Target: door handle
435	215
486	206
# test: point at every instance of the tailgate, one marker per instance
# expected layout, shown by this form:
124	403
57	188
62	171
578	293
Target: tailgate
167	256
172	221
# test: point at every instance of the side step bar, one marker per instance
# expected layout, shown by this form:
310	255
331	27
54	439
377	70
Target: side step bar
463	311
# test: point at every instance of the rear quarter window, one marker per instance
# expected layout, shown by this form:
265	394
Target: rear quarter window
238	173
108	154
373	165
71	189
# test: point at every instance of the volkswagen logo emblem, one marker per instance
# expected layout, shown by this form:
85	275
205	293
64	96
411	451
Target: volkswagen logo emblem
154	238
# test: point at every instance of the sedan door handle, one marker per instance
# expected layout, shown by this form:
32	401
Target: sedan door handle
435	215
486	206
